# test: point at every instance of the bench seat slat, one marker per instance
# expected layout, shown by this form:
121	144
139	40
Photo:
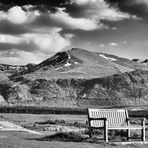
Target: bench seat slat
122	128
126	127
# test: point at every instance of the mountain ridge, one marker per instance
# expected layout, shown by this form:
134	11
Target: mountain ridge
71	57
81	63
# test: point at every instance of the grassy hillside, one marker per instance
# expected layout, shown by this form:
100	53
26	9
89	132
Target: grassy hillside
117	90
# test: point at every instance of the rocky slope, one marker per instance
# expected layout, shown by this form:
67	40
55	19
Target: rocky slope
78	78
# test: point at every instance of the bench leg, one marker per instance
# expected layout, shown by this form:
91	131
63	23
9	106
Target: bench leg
143	134
106	135
128	134
90	132
106	132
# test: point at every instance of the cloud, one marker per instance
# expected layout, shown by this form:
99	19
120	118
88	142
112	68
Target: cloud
144	2
101	10
49	42
28	7
124	42
62	19
113	44
69	36
114	28
66	21
9	39
102	45
92	11
82	2
26	17
16	15
16	57
8	28
21	46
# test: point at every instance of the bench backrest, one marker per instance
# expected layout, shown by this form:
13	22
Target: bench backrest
115	117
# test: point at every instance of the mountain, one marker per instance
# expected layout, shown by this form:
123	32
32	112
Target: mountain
79	63
78	78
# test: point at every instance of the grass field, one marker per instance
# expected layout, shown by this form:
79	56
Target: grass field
42	123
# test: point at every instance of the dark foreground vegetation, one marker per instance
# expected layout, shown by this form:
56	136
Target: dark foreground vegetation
41	110
54	110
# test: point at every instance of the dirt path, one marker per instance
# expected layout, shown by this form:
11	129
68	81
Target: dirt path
8	126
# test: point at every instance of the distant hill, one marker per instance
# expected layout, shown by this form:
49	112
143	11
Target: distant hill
15	68
143	61
78	78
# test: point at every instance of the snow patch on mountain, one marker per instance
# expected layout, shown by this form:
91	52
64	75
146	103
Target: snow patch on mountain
107	58
67	64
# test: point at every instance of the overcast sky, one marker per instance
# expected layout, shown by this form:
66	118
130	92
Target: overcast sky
34	30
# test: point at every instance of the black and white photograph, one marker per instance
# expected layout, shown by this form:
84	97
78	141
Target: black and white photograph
73	73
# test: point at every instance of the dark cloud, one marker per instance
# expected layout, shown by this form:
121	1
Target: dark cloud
8	28
22	46
131	6
47	3
75	10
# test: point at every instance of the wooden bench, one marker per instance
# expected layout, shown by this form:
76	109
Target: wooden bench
113	119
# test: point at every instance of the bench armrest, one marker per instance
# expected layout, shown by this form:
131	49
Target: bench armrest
130	119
